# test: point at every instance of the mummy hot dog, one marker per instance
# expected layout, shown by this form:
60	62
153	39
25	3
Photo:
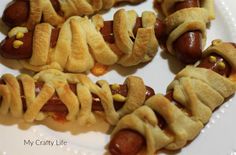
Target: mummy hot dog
171	121
77	44
188	19
74	94
32	12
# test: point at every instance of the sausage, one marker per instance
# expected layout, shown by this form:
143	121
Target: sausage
160	30
54	38
135	143
107	32
54	104
188	47
25	51
18	11
56	5
121	143
137	25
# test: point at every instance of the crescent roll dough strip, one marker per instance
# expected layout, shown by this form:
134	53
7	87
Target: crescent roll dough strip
42	10
167	6
221	84
6	99
145	45
14	94
198	90
199	87
79	105
80	44
226	50
41	44
184	20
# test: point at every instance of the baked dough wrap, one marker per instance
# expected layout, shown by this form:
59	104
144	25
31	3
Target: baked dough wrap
42	10
199	91
224	49
185	20
80	44
79	105
167	6
144	47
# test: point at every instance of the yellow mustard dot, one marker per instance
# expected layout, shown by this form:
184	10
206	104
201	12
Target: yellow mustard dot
118	98
216	42
115	86
17	44
212	59
19	35
41	116
221	65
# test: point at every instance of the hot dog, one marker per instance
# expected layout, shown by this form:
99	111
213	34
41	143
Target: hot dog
18	12
113	37
25	51
75	96
212	61
118	44
134	139
188	46
54	104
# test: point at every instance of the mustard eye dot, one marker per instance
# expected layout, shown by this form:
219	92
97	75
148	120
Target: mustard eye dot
115	86
19	35
216	42
212	59
17	44
221	65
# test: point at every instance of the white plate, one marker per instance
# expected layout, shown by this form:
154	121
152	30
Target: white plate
217	138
